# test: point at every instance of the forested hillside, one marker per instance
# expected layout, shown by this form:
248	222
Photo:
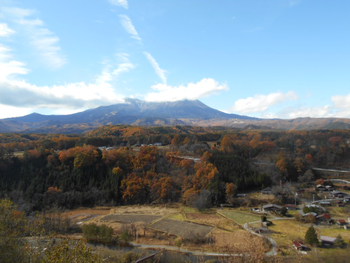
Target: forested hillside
134	165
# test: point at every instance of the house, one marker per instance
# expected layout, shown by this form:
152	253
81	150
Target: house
342	222
325	203
299	245
310	214
272	208
267	191
327	241
315	207
256	210
341	203
325	219
338	194
261	230
320	187
292	207
346	199
329	187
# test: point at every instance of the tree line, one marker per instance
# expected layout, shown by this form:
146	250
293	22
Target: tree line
42	171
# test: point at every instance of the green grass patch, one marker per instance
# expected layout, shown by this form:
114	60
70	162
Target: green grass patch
178	216
240	217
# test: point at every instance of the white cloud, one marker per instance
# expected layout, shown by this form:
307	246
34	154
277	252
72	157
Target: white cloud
260	103
340	108
312	112
19	93
122	3
15	111
160	72
5	31
45	42
342	102
191	91
8	66
129	27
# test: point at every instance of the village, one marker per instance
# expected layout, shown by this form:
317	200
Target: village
277	229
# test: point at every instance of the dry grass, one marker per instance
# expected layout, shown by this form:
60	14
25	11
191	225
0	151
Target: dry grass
182	229
213	220
146	210
262	197
130	219
340	212
227	236
84	214
285	231
238	241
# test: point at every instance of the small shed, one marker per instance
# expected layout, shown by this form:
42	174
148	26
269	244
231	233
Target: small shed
299	245
342	222
266	191
327	241
272	208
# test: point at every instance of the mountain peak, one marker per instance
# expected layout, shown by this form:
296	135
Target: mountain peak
131	112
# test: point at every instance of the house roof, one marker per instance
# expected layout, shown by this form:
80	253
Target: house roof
328	239
342	221
326	216
310	213
272	206
298	244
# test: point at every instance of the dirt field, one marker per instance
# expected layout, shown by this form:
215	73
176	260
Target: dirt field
212	220
83	214
146	210
183	229
130	219
164	225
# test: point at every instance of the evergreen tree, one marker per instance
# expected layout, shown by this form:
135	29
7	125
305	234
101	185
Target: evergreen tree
311	236
339	242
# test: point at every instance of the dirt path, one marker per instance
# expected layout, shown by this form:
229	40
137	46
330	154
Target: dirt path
273	251
182	250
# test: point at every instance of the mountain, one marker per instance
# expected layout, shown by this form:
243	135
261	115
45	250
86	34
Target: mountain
141	113
131	112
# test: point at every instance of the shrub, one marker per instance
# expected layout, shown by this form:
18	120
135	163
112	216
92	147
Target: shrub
339	242
98	234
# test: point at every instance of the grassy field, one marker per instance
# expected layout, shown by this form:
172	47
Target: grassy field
285	231
240	217
339	212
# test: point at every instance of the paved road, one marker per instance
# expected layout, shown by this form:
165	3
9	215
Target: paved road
340	181
273	251
331	170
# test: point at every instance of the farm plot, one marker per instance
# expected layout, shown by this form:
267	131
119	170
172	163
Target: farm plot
212	220
240	217
183	229
130	219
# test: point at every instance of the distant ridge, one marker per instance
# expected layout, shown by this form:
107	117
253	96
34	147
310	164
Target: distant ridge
142	113
131	112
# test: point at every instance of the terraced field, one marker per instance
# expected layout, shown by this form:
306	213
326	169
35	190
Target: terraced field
182	228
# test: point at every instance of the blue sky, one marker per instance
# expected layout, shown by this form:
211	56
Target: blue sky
262	58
